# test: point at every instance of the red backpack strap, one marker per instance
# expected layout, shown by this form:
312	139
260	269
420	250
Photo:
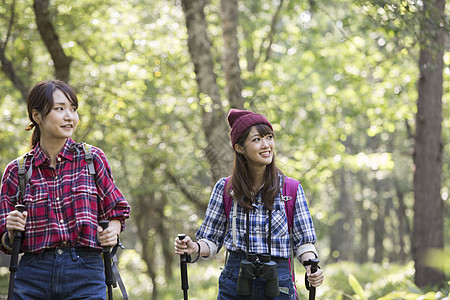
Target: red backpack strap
227	199
290	187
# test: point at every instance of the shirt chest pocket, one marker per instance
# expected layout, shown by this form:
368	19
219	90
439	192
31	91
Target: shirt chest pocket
279	224
36	202
84	193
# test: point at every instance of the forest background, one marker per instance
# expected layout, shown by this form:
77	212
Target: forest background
357	91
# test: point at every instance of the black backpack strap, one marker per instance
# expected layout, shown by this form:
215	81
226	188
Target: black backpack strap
89	158
24	176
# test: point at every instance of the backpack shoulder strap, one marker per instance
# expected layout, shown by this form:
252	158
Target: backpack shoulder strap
227	200
290	187
89	158
23	174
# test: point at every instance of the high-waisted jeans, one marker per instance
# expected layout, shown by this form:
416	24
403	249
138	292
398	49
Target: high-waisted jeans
229	276
60	273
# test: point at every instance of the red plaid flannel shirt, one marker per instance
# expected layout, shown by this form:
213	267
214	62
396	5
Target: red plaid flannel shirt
64	203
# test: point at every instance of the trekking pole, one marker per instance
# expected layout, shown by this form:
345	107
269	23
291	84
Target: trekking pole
183	267
314	263
107	262
15	253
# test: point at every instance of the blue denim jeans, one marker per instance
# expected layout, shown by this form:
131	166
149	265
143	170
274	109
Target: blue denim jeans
61	273
229	276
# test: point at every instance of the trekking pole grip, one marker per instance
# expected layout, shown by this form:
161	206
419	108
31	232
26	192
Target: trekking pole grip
107	256
314	263
15	250
183	267
17	236
21	209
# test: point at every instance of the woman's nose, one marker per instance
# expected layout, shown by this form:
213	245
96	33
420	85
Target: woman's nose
264	143
68	115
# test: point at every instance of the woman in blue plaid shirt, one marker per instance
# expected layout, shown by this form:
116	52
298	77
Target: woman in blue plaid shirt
259	223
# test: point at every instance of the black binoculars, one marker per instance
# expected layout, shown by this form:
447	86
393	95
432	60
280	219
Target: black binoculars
258	267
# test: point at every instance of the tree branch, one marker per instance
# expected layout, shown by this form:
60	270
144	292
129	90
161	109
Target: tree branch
51	40
272	32
190	196
6	64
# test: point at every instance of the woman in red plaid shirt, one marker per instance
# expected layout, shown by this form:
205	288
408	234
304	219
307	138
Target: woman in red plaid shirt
64	202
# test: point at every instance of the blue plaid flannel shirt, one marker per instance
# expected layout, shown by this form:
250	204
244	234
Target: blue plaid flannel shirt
216	229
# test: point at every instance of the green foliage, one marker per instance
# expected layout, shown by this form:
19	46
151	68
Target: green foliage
339	88
385	281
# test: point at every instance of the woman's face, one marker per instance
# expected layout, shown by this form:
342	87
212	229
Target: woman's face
258	149
62	120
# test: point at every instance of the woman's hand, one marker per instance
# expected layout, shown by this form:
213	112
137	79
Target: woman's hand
314	279
108	237
16	221
186	246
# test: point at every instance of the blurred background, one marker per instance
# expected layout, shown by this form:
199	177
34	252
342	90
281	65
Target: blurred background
343	82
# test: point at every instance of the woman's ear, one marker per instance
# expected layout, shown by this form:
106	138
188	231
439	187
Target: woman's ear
36	116
239	148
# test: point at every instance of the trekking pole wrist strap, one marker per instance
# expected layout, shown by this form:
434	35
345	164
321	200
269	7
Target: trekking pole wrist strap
189	260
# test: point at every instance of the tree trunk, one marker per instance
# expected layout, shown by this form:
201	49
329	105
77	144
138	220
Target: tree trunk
379	225
404	230
342	237
232	70
428	205
218	151
51	40
365	230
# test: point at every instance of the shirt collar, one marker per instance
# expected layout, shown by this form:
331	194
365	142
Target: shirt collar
40	157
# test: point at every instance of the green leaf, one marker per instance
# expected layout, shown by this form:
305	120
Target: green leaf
357	288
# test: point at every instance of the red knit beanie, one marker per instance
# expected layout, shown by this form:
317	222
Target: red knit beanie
241	120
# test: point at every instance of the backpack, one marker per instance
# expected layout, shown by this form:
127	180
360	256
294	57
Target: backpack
24	177
290	187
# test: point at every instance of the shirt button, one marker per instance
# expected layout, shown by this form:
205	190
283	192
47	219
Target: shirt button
61	221
64	243
59	158
56	177
57	198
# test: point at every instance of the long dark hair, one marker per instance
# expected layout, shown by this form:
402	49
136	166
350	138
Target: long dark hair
40	98
242	180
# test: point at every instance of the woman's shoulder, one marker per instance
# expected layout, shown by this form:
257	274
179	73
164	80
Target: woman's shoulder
219	187
221	182
12	168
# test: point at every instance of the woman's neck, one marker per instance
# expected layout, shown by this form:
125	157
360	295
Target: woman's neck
258	177
52	149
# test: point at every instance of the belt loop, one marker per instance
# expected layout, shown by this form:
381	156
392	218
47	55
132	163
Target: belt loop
74	254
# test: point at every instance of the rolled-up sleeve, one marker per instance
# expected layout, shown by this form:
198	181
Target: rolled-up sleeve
112	203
